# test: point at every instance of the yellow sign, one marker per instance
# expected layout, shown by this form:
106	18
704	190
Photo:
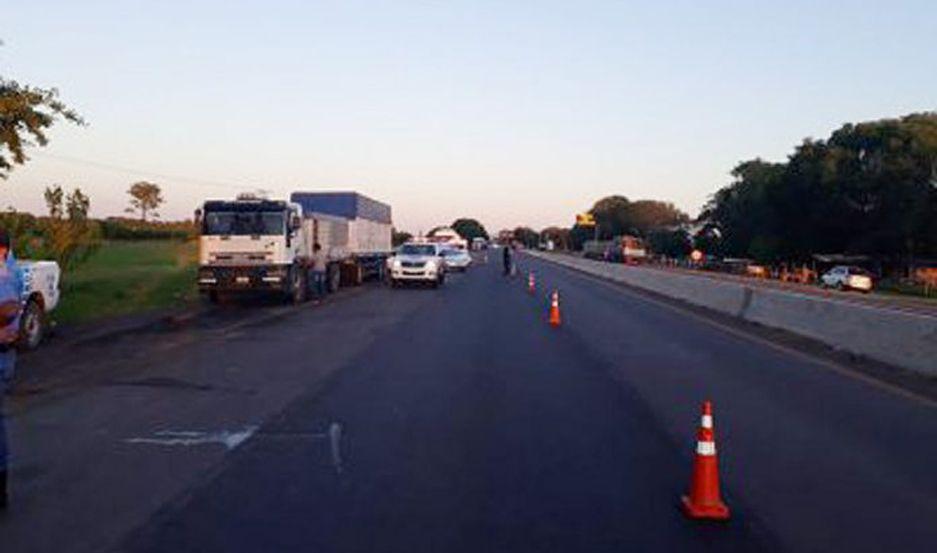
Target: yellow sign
585	220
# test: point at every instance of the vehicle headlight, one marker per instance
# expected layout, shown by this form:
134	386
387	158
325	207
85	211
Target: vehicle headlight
396	264
432	265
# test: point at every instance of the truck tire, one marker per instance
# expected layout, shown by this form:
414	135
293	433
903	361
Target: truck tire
299	287
32	326
334	276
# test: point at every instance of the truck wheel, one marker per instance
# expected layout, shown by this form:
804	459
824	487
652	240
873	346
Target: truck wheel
32	326
335	279
298	286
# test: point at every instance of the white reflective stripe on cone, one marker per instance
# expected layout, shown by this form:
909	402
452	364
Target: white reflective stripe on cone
707	421
707	449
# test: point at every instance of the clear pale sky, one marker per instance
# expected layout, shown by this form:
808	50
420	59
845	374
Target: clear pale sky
511	112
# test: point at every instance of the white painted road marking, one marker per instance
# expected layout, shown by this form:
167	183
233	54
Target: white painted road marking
187	438
335	438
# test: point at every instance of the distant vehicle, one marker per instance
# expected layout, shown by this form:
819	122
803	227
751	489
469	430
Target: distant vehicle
40	297
456	260
844	277
418	262
479	243
255	244
448	238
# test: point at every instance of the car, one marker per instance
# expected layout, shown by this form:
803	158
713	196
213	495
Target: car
456	259
40	298
844	277
419	263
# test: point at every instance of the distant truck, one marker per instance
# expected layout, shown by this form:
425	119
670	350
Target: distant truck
40	297
253	244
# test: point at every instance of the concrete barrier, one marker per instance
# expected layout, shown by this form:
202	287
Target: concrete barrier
901	338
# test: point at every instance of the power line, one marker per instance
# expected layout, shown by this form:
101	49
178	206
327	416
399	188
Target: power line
144	172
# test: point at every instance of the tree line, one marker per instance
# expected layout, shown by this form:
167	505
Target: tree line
869	189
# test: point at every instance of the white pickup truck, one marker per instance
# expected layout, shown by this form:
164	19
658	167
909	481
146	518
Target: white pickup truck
40	297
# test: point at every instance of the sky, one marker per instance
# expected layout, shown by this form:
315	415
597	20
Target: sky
514	113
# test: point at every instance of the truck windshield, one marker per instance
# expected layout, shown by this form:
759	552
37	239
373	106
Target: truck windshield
245	223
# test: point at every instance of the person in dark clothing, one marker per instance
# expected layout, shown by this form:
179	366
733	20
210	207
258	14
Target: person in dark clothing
508	261
11	293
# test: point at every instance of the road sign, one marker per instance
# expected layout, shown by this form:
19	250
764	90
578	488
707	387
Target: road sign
585	220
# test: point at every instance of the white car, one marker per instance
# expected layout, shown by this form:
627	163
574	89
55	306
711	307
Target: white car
40	297
457	259
417	262
847	278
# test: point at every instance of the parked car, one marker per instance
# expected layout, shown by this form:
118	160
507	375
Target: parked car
40	298
845	277
456	259
418	262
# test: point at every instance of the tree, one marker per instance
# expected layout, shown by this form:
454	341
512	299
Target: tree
672	243
53	196
469	229
144	198
647	216
25	115
560	237
68	241
77	205
527	236
870	188
399	237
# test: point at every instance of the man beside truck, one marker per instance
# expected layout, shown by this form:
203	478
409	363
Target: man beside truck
319	266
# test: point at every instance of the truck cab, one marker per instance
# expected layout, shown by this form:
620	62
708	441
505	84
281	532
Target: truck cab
252	244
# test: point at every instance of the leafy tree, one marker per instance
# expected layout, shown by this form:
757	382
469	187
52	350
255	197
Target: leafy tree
469	229
870	188
53	196
25	114
144	198
672	243
400	237
527	236
560	237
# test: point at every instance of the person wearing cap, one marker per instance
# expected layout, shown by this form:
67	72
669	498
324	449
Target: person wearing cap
11	294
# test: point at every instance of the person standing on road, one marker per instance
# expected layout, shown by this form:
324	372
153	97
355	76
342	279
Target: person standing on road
319	265
11	293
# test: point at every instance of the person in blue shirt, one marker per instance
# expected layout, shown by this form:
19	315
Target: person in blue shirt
11	298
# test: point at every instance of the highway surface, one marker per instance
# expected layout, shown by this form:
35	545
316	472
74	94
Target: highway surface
458	420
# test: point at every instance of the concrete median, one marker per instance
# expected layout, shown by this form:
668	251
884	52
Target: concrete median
900	338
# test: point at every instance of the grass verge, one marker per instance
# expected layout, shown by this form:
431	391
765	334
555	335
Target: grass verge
124	277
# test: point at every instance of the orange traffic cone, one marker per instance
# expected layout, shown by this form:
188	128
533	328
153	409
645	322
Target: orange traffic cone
555	309
704	500
531	283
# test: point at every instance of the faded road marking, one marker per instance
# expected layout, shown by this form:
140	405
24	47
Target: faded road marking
185	438
335	438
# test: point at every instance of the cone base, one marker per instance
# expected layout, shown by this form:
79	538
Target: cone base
715	511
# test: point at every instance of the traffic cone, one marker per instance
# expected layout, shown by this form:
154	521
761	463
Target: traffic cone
704	500
555	310
531	283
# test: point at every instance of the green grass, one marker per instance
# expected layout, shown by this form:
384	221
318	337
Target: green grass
129	277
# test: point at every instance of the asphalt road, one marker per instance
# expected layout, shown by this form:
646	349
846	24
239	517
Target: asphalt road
458	420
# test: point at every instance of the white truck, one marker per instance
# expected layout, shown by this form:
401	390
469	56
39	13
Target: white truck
259	245
40	297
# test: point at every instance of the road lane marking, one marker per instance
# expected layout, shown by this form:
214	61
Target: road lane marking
335	440
189	438
829	365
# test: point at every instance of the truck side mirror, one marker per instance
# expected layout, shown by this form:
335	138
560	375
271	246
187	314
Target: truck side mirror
296	222
198	217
